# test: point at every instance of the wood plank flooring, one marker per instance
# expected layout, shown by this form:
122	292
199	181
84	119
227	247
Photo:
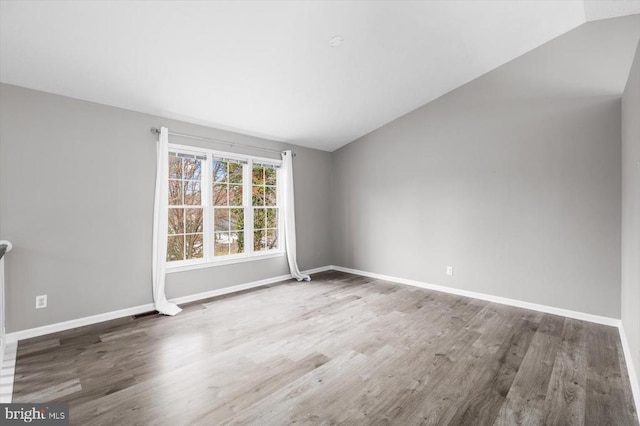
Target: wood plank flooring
342	349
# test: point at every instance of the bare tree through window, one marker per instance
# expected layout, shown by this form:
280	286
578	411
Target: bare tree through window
220	207
228	207
185	232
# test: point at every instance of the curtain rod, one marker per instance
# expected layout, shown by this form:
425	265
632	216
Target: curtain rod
156	131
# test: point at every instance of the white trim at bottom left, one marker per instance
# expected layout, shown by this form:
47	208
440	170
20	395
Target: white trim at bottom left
7	371
78	322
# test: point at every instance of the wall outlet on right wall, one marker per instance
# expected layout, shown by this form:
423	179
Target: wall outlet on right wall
450	270
41	301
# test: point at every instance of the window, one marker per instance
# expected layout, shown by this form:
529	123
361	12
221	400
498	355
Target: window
228	207
186	232
222	207
265	207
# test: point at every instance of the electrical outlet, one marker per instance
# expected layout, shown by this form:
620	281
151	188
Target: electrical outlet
41	301
450	270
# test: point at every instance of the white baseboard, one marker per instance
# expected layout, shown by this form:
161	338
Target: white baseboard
141	309
490	298
93	319
78	322
633	377
8	367
241	287
318	270
228	290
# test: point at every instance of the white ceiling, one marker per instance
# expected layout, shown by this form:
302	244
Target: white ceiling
603	9
266	68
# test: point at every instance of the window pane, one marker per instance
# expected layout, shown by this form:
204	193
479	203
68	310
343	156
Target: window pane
220	193
272	239
176	221
237	219
235	173
221	220
192	221
192	193
258	240
258	218
270	196
175	167
258	175
221	243
272	218
194	247
191	168
185	226
175	192
258	196
219	169
235	195
269	176
226	205
237	242
175	248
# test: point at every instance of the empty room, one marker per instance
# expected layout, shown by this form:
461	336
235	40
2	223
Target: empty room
320	212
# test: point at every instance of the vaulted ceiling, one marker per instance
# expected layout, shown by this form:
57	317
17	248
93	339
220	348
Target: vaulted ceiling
274	68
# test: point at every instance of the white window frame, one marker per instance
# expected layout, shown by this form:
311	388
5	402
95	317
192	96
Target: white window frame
208	259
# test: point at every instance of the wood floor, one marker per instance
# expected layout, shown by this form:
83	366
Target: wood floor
342	349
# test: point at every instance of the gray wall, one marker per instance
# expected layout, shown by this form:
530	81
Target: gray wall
76	184
631	211
513	179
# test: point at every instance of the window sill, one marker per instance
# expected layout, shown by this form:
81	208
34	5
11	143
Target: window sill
204	264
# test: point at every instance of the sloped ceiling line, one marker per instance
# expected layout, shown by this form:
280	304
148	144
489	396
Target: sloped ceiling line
268	68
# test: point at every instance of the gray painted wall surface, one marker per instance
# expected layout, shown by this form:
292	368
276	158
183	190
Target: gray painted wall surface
77	182
631	211
513	179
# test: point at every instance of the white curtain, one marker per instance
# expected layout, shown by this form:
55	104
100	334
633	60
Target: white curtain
288	212
160	219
